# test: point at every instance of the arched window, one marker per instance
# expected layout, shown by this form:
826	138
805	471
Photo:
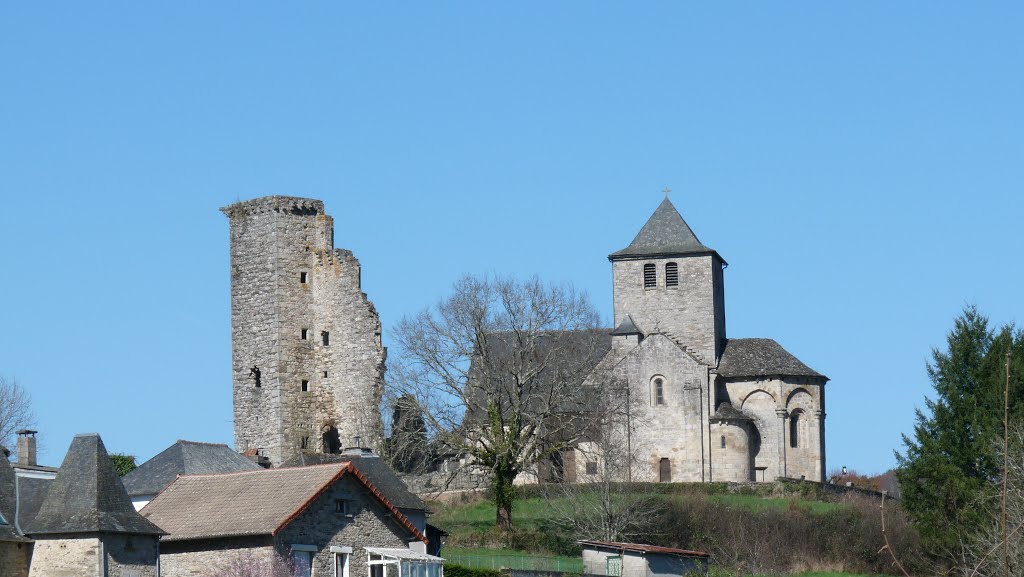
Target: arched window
650	276
794	429
671	274
659	391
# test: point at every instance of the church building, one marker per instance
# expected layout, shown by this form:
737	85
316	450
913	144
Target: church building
709	408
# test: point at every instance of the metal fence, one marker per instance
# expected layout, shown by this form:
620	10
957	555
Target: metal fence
524	562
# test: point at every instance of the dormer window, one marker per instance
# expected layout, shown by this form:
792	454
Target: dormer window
650	276
671	275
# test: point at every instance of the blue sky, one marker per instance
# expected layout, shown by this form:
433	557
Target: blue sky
857	163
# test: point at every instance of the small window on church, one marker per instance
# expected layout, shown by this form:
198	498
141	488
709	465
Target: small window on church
305	385
723	441
302	277
671	274
650	276
659	392
794	430
326	337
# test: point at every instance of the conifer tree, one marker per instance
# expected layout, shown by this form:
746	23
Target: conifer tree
952	463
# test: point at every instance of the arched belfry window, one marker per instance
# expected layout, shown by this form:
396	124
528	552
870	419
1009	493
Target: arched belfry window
671	274
794	429
650	276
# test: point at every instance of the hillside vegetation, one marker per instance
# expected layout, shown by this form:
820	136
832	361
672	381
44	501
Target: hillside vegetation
765	529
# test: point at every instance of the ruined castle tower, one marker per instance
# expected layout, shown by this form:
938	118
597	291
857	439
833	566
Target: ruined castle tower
307	359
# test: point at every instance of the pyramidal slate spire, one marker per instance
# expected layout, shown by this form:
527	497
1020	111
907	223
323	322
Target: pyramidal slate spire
87	496
665	233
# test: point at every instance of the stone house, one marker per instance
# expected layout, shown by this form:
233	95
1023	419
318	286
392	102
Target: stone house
15	548
86	525
634	560
387	481
182	458
327	518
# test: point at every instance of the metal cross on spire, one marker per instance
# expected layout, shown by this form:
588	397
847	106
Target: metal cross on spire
666	190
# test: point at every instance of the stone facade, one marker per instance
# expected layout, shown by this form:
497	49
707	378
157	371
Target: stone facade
14	558
320	526
301	322
706	408
71	557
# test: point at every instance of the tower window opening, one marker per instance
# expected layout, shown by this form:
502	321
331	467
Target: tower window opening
659	392
650	276
723	441
305	385
305	442
302	277
325	374
326	337
671	274
304	334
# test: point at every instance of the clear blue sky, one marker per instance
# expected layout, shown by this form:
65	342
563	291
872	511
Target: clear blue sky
859	164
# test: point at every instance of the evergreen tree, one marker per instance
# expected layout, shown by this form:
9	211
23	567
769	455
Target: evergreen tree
952	462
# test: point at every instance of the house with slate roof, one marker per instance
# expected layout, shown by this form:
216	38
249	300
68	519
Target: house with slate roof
182	458
384	478
331	520
86	525
709	407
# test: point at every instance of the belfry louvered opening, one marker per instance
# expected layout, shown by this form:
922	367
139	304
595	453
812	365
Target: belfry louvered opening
671	274
650	276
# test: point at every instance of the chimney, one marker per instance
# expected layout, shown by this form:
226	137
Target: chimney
27	448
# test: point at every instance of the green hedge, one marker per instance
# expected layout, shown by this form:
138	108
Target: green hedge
460	571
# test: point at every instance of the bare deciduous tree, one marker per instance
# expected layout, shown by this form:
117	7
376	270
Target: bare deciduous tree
15	410
985	555
602	505
497	368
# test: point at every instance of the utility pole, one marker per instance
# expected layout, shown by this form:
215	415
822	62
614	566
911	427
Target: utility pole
629	436
1006	458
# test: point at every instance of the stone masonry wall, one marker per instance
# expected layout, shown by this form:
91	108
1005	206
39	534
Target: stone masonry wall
368	524
673	430
130	555
206	558
694	313
733	461
291	290
773	402
66	558
14	558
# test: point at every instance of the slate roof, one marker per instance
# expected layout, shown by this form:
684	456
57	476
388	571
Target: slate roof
87	496
375	469
664	234
32	492
184	458
627	327
249	503
761	358
726	412
639	548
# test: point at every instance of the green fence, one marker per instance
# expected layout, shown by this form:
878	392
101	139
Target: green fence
526	562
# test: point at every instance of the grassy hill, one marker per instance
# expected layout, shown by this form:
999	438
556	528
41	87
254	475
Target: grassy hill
765	529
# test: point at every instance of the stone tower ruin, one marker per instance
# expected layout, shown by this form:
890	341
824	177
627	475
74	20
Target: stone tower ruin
307	360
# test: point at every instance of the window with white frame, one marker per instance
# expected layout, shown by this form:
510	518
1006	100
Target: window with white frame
340	556
302	559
